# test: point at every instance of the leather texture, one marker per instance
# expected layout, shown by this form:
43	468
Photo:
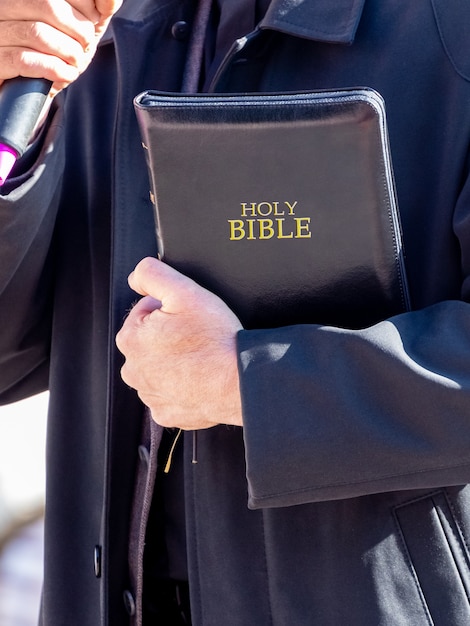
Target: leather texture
282	204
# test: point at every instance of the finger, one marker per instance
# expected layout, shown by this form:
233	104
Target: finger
57	13
36	65
133	322
38	37
100	12
50	11
145	306
87	8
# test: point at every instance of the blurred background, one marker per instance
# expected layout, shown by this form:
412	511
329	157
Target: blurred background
22	479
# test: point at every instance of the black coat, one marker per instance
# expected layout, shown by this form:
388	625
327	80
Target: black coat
356	444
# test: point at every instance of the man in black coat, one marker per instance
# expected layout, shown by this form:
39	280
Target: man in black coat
333	488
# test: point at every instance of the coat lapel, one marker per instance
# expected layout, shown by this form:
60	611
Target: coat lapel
324	20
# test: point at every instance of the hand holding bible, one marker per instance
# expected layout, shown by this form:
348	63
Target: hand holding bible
179	341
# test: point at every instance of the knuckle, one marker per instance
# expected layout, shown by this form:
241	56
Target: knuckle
121	340
145	265
33	34
24	33
16	61
125	375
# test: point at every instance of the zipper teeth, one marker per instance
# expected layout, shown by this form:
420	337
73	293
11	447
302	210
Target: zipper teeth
152	99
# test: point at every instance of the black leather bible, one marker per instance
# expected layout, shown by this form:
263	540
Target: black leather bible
282	204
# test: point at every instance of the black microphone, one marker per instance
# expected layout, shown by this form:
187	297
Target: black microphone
21	103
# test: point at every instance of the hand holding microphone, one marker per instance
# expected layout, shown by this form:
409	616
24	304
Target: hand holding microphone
44	46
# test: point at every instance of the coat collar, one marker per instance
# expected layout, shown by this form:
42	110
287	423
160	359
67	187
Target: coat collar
138	13
334	21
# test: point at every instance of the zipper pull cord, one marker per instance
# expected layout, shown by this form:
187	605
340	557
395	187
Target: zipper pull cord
194	459
172	449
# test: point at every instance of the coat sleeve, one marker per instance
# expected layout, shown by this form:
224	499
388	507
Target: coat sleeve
28	207
332	413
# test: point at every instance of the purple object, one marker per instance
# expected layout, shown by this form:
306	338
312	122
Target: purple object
8	157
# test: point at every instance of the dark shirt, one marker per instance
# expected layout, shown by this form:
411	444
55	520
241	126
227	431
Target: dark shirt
230	20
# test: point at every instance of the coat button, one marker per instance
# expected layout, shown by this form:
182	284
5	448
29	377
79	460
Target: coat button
129	602
180	30
144	455
97	561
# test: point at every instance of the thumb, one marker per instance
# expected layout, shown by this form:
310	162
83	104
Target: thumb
107	8
155	278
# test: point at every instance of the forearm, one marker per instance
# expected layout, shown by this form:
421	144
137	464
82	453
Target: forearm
334	414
